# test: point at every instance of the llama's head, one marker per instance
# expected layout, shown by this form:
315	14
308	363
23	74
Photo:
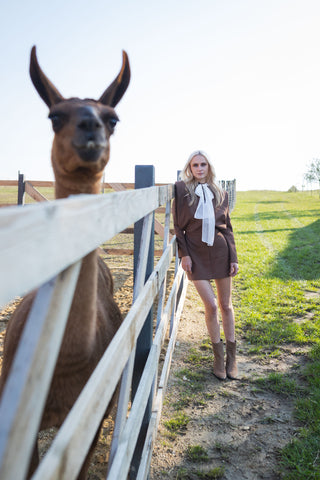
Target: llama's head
82	128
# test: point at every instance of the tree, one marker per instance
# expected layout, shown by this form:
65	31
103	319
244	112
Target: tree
313	174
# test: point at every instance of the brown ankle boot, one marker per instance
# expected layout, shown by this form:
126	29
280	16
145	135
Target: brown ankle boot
218	361
231	364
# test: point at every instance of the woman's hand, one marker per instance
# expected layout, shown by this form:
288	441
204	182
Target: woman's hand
186	264
234	269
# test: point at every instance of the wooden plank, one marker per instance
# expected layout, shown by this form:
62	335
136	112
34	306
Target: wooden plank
27	386
126	251
161	210
117	187
153	425
36	183
127	186
126	381
158	401
165	243
118	251
8	183
159	228
34	193
56	234
42	183
79	428
168	357
122	460
146	456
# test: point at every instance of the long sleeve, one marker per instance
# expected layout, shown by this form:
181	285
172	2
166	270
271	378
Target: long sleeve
178	219
225	227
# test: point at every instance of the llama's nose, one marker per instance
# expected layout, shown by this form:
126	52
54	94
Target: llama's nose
89	137
90	123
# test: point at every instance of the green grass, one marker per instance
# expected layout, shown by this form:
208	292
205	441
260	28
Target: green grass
9	195
178	423
197	454
279	255
277	302
278	383
212	474
187	474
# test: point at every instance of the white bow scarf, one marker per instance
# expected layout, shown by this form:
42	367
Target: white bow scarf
205	212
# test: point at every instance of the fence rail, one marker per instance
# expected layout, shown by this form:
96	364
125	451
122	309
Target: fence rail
29	187
56	236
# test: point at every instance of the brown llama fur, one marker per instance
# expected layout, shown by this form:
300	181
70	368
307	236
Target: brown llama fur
80	151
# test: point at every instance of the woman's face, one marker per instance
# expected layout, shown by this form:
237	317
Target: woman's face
199	168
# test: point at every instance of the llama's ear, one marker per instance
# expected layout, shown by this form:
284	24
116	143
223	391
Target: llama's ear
47	91
116	90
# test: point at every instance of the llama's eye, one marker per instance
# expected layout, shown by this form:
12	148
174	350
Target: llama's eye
112	122
57	121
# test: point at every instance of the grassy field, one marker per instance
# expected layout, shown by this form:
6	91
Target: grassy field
277	301
10	195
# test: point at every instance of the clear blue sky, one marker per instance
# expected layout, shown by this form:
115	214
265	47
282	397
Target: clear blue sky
239	79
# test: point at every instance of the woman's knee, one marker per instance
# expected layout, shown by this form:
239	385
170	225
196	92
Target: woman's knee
226	308
211	307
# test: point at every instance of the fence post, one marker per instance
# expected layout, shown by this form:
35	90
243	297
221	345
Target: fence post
20	189
144	177
175	272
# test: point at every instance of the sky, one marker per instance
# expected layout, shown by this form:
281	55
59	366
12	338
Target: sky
239	79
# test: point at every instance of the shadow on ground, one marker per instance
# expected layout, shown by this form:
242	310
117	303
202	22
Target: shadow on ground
300	260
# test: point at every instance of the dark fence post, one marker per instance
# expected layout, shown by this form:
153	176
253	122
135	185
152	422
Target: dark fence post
144	177
178	263
21	189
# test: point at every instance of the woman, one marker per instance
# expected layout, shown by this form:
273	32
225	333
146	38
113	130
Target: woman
207	250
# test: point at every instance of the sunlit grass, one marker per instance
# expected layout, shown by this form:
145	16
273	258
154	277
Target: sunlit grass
279	254
277	302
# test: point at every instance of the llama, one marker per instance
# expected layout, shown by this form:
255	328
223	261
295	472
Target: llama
80	151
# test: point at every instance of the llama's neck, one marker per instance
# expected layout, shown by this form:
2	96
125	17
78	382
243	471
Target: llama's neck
64	187
81	327
79	339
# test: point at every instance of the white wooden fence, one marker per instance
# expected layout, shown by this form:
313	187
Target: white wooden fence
42	246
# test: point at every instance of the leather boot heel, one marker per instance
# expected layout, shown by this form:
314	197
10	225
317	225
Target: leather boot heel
218	361
231	364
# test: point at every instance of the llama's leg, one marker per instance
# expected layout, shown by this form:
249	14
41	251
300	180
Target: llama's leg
84	469
34	460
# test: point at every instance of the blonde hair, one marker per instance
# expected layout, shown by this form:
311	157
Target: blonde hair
191	183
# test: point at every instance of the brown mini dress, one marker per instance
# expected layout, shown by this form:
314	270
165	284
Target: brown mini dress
208	262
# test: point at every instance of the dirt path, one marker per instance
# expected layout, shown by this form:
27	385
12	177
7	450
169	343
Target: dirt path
239	426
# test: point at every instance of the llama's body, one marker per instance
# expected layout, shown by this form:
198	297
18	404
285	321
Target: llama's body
80	152
83	344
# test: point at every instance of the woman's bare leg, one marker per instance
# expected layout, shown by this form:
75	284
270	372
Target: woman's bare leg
208	297
224	292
